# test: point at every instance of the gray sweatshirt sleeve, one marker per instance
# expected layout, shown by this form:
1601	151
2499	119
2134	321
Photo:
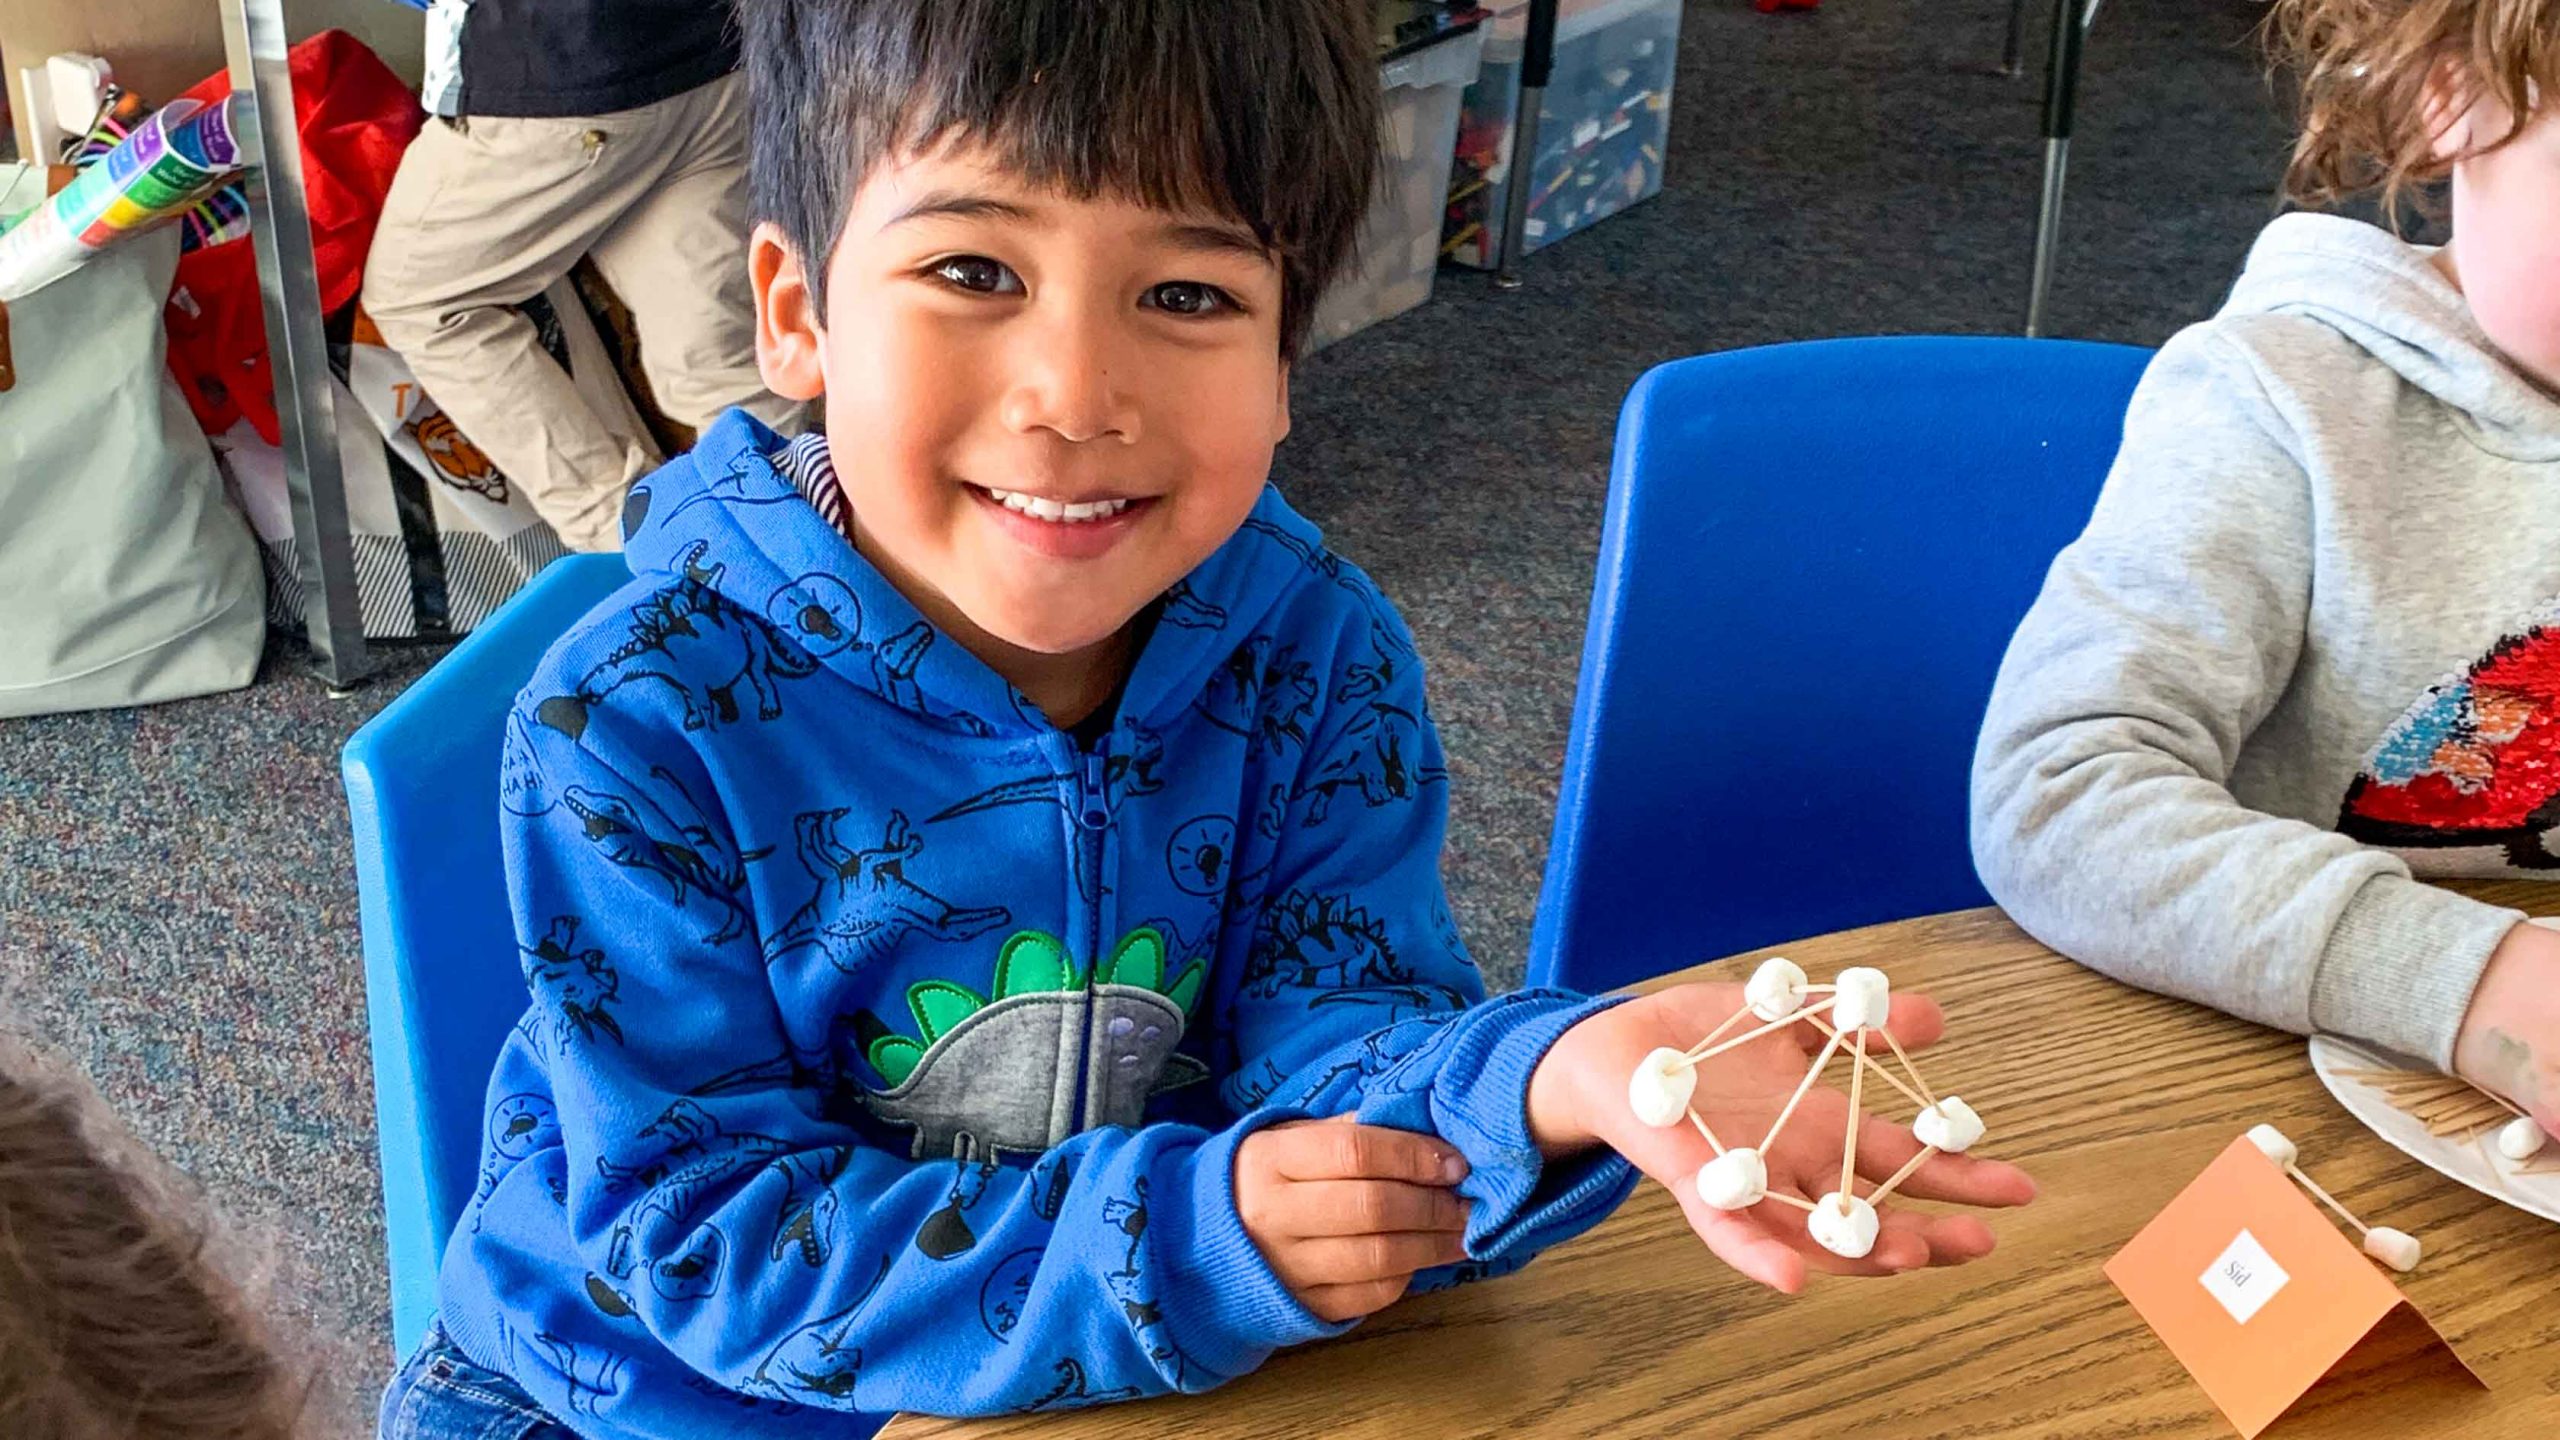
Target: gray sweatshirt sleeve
2102	818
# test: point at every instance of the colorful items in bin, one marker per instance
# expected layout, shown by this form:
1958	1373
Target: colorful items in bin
1602	126
171	160
1398	250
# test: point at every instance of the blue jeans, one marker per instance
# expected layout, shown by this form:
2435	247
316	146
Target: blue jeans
441	1395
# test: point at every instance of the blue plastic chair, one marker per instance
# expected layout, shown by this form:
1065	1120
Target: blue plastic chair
442	987
1813	559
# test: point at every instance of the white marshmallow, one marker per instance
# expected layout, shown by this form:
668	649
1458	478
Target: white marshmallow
2521	1138
1735	1180
2395	1248
2271	1140
1849	1233
1775	990
1659	1090
1865	996
1950	1126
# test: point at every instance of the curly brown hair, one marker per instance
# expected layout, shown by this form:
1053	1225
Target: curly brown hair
2365	67
114	1325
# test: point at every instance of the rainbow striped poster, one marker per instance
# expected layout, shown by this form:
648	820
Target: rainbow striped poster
173	159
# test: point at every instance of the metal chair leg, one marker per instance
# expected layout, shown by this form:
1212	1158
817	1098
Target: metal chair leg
253	35
2061	96
1515	210
2013	58
1537	66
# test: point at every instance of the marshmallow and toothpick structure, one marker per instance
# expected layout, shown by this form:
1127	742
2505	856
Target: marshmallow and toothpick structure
1842	1222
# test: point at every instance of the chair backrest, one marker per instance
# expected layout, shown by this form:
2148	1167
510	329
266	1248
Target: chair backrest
442	985
1813	559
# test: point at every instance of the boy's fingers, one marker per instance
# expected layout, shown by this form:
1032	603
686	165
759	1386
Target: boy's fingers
1742	1242
1347	1150
1312	1208
1359	1259
1956	1239
1337	1303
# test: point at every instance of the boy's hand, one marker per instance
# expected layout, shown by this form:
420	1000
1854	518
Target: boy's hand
2510	1038
1578	1097
1345	1213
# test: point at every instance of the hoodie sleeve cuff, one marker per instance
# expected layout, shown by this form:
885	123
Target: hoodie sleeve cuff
2401	964
1480	1103
1224	1305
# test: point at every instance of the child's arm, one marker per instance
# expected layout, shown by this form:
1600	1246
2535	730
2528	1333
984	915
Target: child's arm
755	1236
2163	637
1352	994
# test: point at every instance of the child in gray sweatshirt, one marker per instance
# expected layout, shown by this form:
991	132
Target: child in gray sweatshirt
2309	647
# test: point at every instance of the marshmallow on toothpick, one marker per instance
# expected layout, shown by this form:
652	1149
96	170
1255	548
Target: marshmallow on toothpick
1775	990
2395	1248
1950	1126
2521	1138
1659	1090
1864	997
1735	1180
1844	1225
2271	1140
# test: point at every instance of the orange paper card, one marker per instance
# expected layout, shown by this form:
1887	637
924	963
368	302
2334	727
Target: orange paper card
2255	1291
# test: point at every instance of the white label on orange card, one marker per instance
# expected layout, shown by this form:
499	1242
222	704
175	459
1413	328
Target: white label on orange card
2244	1277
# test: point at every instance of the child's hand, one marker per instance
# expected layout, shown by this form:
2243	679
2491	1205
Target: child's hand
2510	1038
1345	1213
1579	1096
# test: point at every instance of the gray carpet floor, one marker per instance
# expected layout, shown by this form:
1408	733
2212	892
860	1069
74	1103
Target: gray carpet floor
177	902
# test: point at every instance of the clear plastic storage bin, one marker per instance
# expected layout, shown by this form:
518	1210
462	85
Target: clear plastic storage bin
1399	246
1601	131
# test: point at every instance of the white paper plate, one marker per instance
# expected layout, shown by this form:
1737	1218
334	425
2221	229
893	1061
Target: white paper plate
2454	1157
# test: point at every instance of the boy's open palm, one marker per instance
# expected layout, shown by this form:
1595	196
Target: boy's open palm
1346	1213
1579	1096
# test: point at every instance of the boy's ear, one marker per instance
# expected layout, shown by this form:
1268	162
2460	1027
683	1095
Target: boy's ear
2448	108
790	331
1282	413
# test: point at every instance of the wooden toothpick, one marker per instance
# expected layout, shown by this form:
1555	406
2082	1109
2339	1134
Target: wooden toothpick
1810	1076
1712	1142
1914	1163
1857	1082
1877	1069
1912	1070
1797	1201
1709	1052
2325	1197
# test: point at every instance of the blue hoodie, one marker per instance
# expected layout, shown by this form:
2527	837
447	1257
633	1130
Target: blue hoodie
889	1050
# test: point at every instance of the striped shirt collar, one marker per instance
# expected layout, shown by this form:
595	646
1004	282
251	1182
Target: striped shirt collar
811	468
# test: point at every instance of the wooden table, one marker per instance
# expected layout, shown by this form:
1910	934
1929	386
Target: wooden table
1635	1330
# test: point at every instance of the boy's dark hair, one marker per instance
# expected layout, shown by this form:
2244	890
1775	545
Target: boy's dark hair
1264	110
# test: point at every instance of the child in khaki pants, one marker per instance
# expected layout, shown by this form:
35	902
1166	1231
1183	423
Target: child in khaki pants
612	128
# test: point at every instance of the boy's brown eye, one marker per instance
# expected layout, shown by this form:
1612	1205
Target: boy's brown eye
1189	297
978	274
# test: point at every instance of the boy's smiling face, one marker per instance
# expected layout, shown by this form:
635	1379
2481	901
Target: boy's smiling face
1044	410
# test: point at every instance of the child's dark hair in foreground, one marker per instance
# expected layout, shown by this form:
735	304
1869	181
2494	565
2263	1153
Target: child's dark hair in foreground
113	1324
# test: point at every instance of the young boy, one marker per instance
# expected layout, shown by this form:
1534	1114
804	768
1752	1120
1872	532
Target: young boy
977	837
2305	651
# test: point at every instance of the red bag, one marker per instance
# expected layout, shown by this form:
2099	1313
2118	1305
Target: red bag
355	119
